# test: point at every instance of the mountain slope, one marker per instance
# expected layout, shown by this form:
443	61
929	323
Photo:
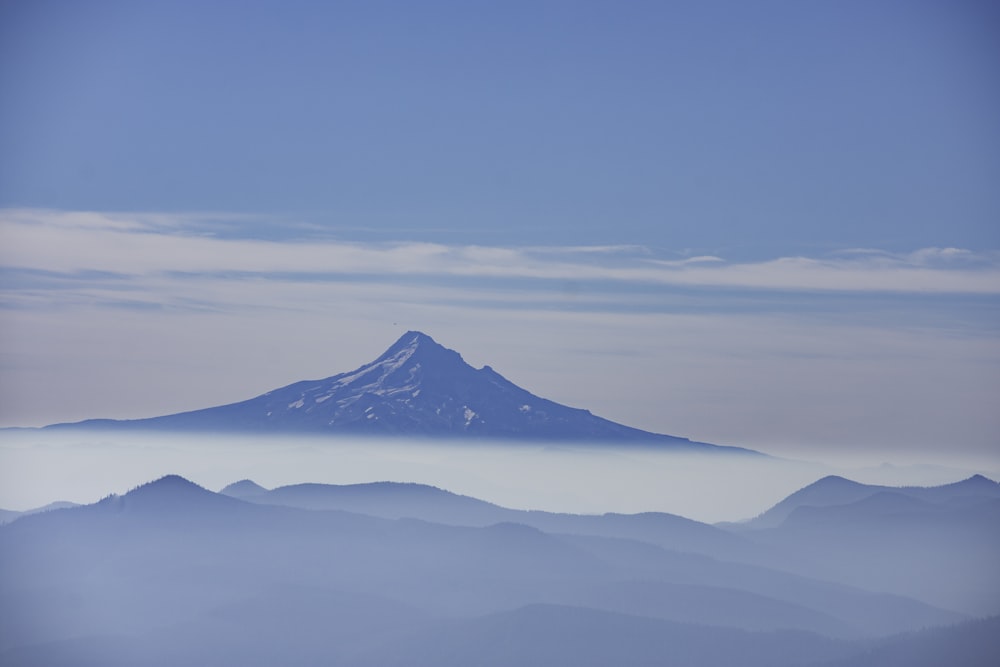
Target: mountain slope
973	644
544	634
417	388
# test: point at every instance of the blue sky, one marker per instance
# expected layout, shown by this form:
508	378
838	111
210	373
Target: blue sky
772	223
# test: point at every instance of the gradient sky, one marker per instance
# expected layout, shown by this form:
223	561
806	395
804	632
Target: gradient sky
773	224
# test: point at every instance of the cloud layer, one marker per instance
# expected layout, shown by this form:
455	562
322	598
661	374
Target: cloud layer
145	245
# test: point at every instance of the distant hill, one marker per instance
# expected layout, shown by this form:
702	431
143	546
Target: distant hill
6	516
394	500
172	574
417	388
833	491
939	544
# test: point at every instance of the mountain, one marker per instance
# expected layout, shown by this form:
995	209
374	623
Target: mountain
417	388
395	500
243	489
388	500
938	544
6	516
173	574
836	491
653	546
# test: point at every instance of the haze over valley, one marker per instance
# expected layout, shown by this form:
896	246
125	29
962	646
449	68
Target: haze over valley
171	573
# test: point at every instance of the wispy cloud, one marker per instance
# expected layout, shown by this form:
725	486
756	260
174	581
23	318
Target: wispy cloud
161	244
921	257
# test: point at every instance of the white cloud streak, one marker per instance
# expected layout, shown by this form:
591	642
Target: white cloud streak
150	244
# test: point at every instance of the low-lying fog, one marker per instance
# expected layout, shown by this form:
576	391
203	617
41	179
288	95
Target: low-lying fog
39	467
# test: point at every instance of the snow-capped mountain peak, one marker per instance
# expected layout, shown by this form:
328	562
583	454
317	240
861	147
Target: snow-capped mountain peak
417	387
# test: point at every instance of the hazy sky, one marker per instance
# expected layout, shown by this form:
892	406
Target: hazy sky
772	224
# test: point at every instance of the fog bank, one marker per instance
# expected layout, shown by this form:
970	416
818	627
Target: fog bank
38	467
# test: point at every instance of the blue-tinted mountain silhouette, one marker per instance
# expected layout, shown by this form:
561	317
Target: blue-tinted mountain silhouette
417	388
394	500
940	544
6	516
834	491
172	574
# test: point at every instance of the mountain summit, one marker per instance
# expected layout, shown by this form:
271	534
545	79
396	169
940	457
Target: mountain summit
415	388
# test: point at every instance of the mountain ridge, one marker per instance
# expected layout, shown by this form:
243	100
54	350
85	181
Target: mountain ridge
834	490
173	566
406	500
